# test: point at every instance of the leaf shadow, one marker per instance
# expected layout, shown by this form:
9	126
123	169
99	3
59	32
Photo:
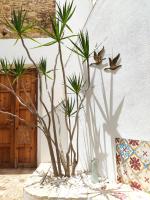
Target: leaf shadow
97	132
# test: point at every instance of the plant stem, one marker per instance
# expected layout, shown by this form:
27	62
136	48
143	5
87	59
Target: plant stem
76	160
28	53
88	72
53	121
77	99
47	132
67	173
70	138
63	71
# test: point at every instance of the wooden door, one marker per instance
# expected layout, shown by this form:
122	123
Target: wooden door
22	146
25	134
6	125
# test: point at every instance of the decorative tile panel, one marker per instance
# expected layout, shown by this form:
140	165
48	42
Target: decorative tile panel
133	163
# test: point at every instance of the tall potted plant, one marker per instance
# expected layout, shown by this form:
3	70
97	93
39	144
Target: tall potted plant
63	163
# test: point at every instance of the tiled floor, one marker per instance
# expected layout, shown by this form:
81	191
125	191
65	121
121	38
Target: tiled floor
11	183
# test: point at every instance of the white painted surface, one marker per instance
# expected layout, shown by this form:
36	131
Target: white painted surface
76	188
123	27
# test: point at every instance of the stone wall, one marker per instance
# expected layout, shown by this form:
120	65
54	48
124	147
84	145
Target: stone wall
38	10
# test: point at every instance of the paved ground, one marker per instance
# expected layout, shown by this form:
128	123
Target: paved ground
11	183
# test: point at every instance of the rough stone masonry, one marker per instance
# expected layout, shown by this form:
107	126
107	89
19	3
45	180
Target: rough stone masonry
37	10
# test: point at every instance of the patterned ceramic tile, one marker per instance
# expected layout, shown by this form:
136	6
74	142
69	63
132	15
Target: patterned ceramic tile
143	153
133	163
125	150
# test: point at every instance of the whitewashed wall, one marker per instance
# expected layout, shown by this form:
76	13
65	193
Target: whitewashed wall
123	27
119	105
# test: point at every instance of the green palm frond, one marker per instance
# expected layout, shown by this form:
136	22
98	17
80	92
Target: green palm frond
17	24
5	66
55	34
43	68
68	107
59	23
82	47
76	84
19	68
65	13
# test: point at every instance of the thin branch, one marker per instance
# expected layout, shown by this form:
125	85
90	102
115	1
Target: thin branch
53	118
28	53
29	98
77	99
88	71
47	131
43	104
64	80
21	119
20	100
50	99
76	120
62	155
35	65
52	91
74	128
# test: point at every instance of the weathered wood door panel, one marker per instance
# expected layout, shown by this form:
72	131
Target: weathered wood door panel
25	134
18	139
6	126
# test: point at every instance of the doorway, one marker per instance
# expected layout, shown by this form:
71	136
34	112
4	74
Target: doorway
18	141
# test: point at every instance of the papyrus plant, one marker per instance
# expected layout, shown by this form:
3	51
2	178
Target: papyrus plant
63	163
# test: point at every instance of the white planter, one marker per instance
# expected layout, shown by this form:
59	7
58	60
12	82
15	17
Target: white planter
77	189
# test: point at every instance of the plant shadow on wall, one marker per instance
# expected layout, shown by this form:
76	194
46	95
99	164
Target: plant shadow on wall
64	162
110	119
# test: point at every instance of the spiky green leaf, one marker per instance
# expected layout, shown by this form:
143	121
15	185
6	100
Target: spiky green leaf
19	68
76	84
81	48
68	107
